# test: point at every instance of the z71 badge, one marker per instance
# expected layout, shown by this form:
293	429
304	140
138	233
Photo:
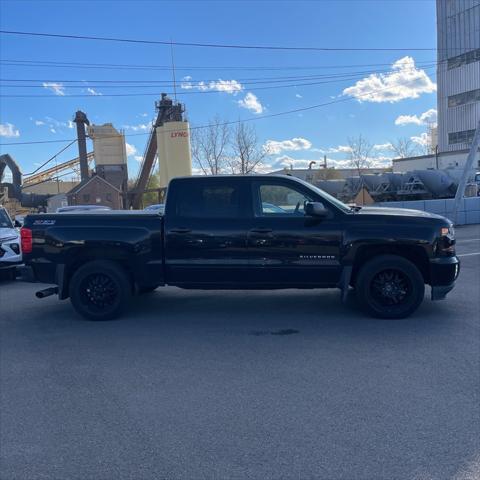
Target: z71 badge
44	222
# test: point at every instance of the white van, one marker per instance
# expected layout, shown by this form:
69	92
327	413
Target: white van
10	250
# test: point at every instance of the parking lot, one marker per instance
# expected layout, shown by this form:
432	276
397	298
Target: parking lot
235	385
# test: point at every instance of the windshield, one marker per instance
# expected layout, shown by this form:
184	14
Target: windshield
5	221
329	198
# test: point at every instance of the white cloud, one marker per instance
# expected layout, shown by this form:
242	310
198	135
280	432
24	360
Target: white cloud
423	139
91	91
131	149
251	102
139	127
405	81
298	95
340	149
383	146
287	161
227	86
275	146
56	88
8	130
53	124
430	116
138	158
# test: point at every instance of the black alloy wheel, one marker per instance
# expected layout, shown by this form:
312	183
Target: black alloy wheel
390	286
100	290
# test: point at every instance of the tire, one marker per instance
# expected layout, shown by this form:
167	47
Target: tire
13	274
390	286
100	290
8	274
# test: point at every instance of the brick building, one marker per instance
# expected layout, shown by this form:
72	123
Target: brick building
96	191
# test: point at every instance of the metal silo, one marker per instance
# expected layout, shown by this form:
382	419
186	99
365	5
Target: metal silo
173	148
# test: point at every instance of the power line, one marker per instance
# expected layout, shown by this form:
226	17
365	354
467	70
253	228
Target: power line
54	64
250	119
212	45
51	158
189	92
199	82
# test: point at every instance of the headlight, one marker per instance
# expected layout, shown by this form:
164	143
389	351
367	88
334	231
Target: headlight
8	239
446	242
448	232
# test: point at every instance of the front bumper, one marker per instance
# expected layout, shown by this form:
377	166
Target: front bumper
6	265
443	274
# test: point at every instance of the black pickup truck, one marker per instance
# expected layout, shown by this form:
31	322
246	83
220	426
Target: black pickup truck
243	232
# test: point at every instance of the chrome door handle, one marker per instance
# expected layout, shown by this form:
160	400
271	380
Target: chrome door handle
261	230
180	230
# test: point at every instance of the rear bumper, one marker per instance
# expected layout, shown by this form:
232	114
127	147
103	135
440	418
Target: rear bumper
443	274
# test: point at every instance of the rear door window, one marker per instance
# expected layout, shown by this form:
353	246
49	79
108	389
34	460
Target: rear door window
208	200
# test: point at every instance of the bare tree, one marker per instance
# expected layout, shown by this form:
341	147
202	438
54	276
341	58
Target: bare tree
405	147
247	152
361	155
209	146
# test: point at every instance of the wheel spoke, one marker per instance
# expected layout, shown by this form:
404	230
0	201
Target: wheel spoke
99	291
390	287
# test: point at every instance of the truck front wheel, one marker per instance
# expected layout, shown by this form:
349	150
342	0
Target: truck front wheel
100	290
390	286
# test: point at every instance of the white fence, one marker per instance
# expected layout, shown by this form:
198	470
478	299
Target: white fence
468	213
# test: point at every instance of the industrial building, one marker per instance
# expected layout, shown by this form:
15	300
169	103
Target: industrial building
169	141
458	88
95	191
434	161
314	175
458	73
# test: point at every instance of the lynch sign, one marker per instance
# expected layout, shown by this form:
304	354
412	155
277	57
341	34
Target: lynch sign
178	134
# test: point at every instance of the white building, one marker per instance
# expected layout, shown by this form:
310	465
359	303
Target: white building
455	160
458	73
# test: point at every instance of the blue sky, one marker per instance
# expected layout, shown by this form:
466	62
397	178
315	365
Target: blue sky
406	89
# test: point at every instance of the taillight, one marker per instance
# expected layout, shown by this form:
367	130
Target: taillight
26	236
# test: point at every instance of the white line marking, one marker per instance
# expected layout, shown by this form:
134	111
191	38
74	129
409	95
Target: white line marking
468	254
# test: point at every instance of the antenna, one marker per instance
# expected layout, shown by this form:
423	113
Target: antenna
173	71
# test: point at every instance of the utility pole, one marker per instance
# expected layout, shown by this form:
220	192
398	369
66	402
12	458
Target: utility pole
466	172
81	120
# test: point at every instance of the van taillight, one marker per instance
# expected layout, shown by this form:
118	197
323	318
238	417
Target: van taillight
26	236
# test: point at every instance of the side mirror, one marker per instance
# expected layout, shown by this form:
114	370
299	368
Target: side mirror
316	209
17	224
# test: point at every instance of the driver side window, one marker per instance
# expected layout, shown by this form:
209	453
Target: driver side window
281	200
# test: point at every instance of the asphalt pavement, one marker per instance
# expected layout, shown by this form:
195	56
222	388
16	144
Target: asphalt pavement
242	385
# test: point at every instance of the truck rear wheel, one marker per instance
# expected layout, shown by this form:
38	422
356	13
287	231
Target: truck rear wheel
390	286
100	290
